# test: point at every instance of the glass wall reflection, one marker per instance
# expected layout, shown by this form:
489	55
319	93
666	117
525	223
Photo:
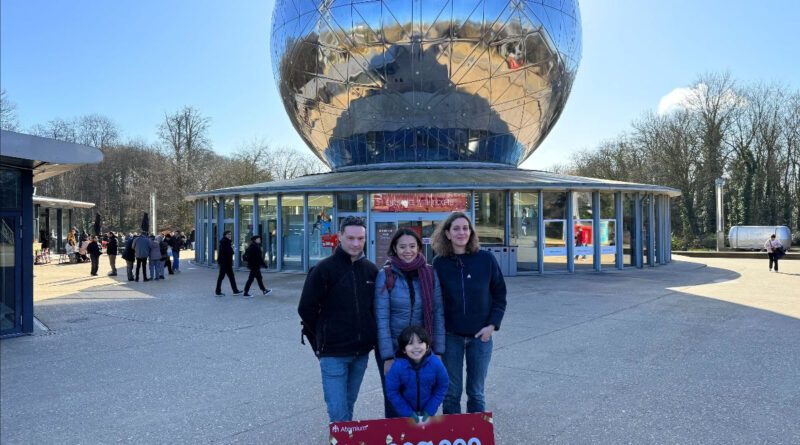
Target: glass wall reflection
583	230
629	228
525	229
320	222
292	227
268	229
554	214
646	258
490	217
608	230
245	226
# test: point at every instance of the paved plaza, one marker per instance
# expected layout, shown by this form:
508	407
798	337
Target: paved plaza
703	350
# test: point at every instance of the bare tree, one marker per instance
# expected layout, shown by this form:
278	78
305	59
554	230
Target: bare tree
8	113
713	102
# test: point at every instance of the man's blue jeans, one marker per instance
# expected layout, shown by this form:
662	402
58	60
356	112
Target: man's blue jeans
156	269
176	259
341	380
478	355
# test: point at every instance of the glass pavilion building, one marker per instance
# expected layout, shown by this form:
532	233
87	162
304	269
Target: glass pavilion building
424	108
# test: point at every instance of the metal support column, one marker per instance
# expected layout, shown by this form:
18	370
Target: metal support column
59	230
636	242
210	241
509	210
618	235
279	230
236	231
596	230
540	239
569	233
651	232
306	234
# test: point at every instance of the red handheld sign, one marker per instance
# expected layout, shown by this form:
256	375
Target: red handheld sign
453	429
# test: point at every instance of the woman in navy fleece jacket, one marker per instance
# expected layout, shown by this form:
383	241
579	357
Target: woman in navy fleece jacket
474	295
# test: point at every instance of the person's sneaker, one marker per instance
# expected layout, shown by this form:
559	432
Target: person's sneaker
247	296
238	292
219	295
267	291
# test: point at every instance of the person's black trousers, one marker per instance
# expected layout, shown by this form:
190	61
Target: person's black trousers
226	269
95	264
255	274
168	264
773	258
141	262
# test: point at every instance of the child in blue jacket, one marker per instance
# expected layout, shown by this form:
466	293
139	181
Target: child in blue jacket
417	381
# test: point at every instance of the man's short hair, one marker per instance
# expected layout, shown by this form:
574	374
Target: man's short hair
254	238
351	221
772	236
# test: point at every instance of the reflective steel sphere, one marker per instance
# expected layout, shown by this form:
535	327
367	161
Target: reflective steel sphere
412	81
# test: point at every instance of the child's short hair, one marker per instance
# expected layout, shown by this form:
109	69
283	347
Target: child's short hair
408	334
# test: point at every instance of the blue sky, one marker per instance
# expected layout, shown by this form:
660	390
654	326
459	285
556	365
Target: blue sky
134	61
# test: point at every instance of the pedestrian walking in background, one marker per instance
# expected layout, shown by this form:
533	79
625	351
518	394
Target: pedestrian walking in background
82	250
166	254
255	261
774	251
129	256
141	246
93	248
156	267
225	261
111	251
407	293
338	320
177	244
474	294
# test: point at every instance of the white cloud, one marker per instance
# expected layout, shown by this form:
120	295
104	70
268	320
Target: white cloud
682	98
678	99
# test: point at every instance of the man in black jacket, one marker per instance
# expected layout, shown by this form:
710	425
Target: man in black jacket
255	261
111	251
225	261
129	256
336	309
94	251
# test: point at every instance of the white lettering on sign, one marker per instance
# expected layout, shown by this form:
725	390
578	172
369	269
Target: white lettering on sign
459	441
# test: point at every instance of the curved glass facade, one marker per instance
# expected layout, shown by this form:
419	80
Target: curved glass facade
375	81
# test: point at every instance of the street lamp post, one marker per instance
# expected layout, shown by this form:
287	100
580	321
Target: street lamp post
719	184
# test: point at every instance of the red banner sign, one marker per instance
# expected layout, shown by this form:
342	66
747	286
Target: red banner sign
453	429
419	202
329	240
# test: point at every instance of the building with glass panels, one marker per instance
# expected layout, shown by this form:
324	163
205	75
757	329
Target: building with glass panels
25	160
528	213
427	107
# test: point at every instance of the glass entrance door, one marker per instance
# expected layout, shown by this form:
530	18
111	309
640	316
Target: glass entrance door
385	225
382	238
425	231
10	278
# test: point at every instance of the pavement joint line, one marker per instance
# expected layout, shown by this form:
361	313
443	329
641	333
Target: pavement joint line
137	320
583	322
271	422
539	371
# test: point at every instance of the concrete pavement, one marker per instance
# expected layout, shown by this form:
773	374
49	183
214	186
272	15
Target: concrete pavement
703	350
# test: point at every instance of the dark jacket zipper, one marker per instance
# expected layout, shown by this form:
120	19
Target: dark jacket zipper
355	294
463	292
416	370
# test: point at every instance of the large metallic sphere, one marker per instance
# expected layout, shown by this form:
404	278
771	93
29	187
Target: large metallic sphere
413	81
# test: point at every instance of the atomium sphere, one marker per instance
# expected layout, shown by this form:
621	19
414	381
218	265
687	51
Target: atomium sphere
424	81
